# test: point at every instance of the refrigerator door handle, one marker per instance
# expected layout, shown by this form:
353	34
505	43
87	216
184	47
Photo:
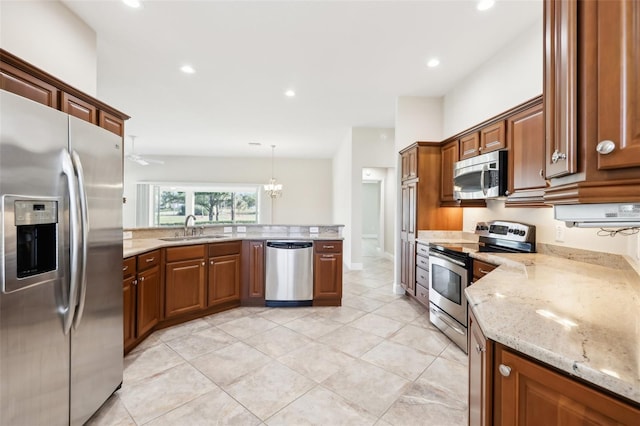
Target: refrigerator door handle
84	234
74	246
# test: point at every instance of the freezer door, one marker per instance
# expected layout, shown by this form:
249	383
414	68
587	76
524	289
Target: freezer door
96	341
34	350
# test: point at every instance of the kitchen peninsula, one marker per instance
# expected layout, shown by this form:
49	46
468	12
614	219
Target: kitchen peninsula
173	275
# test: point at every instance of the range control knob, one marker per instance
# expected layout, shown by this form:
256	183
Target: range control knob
522	232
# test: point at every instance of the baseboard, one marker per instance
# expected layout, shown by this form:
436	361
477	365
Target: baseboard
397	289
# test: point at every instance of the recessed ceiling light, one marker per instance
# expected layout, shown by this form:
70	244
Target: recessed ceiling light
434	62
290	93
132	3
187	69
485	4
255	143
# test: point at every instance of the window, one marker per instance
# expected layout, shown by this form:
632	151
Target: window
170	204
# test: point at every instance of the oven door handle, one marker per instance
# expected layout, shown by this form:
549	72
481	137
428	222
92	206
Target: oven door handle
448	259
446	321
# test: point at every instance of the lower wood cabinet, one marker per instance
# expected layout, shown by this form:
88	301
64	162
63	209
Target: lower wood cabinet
253	273
184	280
223	282
141	292
507	388
327	273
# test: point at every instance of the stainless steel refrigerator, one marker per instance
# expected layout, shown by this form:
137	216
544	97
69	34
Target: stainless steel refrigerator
61	326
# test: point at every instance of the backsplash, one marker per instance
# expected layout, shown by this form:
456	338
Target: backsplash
248	229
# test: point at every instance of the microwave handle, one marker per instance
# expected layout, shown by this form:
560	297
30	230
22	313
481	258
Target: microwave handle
484	170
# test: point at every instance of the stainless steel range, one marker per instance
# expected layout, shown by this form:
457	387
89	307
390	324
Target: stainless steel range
451	270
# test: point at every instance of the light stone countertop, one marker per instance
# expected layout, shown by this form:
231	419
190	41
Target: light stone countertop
132	247
579	317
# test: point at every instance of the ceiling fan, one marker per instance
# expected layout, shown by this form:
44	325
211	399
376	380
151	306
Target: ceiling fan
138	158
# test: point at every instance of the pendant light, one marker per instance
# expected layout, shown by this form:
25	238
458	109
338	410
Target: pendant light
273	189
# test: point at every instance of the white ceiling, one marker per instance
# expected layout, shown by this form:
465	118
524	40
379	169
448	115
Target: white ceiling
348	61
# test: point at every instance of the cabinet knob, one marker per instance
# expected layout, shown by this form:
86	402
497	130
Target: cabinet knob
507	193
541	173
504	370
124	268
480	349
141	278
202	263
557	156
605	147
135	282
210	262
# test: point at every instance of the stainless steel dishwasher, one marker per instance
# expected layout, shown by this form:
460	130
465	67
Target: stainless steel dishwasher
289	271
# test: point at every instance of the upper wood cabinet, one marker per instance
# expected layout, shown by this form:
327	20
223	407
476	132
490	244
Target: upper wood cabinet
492	137
21	83
449	156
560	86
79	108
469	146
409	163
22	78
526	158
594	105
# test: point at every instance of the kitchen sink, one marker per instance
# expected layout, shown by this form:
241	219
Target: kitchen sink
192	237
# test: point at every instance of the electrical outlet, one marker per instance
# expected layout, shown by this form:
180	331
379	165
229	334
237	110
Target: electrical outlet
228	229
313	229
242	229
560	233
127	235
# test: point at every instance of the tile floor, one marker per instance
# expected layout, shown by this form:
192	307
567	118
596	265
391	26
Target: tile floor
375	360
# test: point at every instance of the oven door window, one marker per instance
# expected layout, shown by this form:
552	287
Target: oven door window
447	283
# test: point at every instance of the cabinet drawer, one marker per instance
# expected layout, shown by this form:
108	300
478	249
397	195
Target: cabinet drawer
422	250
422	277
480	269
176	254
148	260
226	248
327	246
422	262
128	267
422	294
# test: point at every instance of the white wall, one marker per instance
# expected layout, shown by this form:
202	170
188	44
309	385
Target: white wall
390	194
342	202
371	205
510	77
306	197
51	37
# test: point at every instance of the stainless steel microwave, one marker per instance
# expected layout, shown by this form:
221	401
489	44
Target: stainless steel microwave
481	177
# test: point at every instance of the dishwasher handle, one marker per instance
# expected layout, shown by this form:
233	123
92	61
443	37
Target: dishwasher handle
291	245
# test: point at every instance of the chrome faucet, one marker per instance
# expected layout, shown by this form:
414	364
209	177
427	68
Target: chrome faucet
186	224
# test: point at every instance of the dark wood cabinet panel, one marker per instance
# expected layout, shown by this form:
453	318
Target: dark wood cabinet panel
560	86
605	83
79	108
129	310
492	137
480	377
526	158
148	300
618	93
528	393
224	279
469	146
184	287
19	82
409	164
450	154
111	123
480	269
327	273
253	273
408	267
148	260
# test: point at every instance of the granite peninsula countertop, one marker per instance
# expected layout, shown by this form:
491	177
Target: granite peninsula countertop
135	246
576	310
579	317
